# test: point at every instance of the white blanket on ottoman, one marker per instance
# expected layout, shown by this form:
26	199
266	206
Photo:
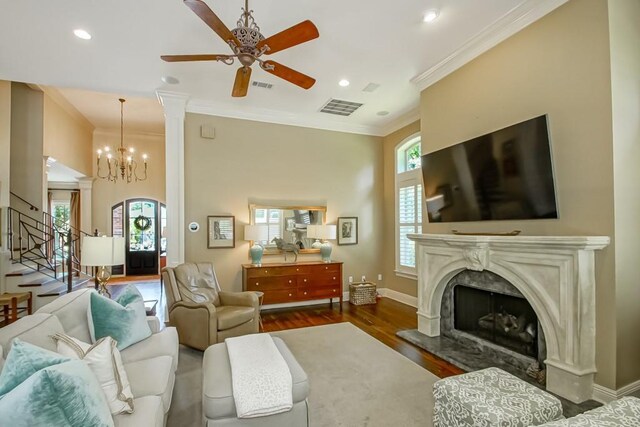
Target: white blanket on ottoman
261	379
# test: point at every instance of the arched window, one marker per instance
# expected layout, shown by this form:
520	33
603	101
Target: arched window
409	200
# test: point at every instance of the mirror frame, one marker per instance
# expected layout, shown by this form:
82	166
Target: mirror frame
271	251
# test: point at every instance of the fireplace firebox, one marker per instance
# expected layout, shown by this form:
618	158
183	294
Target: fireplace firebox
505	320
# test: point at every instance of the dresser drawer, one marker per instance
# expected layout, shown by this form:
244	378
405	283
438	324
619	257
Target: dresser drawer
267	283
316	293
270	272
330	279
280	296
318	269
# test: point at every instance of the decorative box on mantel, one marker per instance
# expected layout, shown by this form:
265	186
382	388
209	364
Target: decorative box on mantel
556	274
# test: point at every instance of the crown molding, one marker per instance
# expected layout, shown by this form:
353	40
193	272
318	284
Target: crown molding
116	133
405	120
509	24
200	106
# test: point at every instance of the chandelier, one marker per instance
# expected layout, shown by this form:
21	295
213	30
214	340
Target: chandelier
123	161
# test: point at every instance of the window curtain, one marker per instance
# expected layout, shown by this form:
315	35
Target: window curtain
74	221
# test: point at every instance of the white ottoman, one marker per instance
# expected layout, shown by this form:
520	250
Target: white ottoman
218	406
492	397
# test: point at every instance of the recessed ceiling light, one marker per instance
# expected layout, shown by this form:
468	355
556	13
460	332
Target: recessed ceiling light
82	34
382	113
430	15
344	83
170	80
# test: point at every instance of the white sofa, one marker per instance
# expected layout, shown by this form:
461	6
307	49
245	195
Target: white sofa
150	364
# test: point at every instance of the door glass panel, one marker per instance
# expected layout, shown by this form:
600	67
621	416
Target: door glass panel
142	226
163	229
117	220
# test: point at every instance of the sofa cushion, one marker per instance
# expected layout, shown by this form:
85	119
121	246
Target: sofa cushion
217	392
232	316
164	343
24	360
105	362
125	320
149	412
35	329
66	394
71	310
152	377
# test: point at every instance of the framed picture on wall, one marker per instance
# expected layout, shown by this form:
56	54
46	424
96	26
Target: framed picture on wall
348	230
221	232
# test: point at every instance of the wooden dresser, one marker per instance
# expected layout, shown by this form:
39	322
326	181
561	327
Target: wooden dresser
289	282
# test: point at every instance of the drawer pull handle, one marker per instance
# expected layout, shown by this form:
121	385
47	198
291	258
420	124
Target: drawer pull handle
305	280
334	278
326	268
334	290
289	294
266	272
305	293
297	269
289	281
257	283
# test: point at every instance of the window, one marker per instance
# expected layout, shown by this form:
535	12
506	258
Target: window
409	201
61	212
272	217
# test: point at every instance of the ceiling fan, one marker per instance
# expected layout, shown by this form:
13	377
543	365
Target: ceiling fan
248	45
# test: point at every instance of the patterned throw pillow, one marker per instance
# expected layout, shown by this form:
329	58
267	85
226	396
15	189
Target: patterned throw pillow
66	394
105	362
124	320
24	360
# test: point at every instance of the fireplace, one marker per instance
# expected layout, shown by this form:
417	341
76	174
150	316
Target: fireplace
555	274
504	320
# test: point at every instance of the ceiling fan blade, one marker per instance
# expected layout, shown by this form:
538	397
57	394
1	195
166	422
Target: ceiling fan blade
241	85
303	32
292	76
201	9
181	58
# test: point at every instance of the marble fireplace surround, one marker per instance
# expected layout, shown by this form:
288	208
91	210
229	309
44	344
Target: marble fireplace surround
556	274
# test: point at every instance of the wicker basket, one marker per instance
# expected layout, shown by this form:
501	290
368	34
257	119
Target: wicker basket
362	293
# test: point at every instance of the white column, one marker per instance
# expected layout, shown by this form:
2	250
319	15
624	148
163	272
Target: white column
86	211
174	111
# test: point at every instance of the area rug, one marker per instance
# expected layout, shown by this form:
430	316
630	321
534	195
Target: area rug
355	381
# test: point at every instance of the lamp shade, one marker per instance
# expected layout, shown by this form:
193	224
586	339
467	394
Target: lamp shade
256	232
324	232
102	251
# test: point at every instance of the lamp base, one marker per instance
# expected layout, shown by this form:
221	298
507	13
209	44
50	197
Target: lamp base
325	251
316	244
102	278
256	255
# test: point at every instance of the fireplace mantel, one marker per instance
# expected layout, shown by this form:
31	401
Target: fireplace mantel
555	273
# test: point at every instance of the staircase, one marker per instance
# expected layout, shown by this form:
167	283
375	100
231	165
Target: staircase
45	257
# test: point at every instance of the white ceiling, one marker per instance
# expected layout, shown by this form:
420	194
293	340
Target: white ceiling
383	42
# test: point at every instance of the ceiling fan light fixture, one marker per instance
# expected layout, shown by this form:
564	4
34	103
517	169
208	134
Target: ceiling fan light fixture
82	34
430	15
344	83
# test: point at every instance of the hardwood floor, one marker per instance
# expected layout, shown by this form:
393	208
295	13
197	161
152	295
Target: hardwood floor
381	321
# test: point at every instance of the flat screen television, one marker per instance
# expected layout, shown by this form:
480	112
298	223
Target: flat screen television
503	175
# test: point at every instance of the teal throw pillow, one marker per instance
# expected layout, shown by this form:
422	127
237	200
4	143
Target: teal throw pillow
24	360
67	394
124	320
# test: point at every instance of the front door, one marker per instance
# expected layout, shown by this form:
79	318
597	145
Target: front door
142	231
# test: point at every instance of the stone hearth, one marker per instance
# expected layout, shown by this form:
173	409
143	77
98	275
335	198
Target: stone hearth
556	274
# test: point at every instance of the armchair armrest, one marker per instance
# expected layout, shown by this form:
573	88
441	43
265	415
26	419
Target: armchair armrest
248	299
194	306
154	324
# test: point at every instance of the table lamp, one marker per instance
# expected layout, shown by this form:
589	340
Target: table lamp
256	233
325	232
102	252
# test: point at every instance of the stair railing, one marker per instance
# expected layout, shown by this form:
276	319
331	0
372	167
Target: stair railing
49	246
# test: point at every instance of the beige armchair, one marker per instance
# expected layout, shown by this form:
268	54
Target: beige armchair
201	312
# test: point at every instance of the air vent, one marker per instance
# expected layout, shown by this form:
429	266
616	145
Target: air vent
262	84
340	107
371	87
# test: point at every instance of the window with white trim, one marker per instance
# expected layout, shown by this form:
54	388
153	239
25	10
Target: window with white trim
409	200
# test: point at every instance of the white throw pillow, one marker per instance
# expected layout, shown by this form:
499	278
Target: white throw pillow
104	360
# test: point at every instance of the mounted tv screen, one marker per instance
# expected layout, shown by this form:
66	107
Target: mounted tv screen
506	174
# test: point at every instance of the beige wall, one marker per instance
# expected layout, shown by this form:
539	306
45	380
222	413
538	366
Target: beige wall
5	156
105	194
557	66
624	19
67	134
254	161
390	142
27	180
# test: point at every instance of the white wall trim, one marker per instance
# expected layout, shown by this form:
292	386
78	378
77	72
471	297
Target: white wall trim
509	24
404	274
201	106
605	395
116	133
405	120
398	296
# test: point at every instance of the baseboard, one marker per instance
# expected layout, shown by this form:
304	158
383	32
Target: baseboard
605	395
398	296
